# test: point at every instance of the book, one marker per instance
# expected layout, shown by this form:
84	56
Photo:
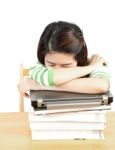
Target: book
84	116
66	134
78	109
67	125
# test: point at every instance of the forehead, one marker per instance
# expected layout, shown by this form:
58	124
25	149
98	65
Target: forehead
59	58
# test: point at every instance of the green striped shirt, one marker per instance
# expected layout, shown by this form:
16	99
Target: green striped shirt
101	72
45	76
41	74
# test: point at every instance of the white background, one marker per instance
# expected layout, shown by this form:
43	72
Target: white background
22	22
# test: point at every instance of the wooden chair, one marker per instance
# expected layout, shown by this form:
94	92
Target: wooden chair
24	72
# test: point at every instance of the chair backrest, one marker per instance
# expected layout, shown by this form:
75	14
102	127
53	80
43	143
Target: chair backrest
24	72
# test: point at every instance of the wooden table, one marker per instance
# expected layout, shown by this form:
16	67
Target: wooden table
15	135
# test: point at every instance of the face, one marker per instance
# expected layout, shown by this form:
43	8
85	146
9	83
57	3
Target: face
59	60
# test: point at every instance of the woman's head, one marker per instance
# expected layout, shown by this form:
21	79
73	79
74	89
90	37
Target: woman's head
65	39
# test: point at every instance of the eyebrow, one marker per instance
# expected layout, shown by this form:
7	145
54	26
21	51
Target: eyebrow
61	64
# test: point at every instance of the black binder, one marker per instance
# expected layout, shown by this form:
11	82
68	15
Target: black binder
60	100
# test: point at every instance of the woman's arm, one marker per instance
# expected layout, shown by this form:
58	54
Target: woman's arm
97	82
51	76
83	85
64	75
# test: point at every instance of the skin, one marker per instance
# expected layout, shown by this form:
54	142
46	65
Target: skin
59	60
68	75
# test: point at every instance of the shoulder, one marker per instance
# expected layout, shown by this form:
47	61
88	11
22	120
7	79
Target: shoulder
36	65
101	72
102	69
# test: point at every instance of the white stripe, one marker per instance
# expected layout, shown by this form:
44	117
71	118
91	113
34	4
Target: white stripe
35	71
99	70
32	71
38	77
101	74
36	66
45	78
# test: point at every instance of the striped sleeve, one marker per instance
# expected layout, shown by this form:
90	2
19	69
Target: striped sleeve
42	75
102	72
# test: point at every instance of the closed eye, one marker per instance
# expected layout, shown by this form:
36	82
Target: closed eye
51	65
65	66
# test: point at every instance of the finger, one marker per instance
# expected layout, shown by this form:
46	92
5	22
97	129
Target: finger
26	95
105	63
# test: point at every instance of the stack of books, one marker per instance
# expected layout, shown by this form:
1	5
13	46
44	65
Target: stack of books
73	125
82	122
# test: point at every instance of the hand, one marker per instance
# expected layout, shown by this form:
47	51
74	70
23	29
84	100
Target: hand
27	85
97	61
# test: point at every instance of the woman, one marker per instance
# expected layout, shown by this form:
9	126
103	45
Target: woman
63	63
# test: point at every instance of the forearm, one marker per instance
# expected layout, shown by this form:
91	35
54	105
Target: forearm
51	76
83	85
65	75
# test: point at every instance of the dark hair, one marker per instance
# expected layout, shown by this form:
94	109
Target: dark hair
63	37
